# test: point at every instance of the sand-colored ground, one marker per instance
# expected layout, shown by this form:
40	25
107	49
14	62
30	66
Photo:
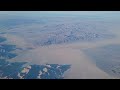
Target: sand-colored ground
81	65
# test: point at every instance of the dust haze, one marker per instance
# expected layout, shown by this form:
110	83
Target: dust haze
82	65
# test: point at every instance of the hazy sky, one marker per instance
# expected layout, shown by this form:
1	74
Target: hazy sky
37	13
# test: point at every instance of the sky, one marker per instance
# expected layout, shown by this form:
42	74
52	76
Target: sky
37	13
114	15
